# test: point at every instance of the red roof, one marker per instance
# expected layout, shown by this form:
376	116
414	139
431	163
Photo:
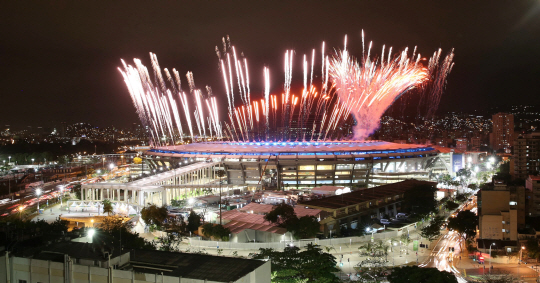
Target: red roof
239	221
258	208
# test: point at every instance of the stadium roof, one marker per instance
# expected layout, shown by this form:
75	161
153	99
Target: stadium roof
282	148
364	195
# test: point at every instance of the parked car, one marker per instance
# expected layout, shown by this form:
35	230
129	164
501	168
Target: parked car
385	222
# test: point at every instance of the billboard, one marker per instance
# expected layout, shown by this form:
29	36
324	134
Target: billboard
457	162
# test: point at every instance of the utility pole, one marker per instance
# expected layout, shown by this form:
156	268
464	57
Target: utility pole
9	185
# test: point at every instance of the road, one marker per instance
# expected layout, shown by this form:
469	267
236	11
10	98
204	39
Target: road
442	258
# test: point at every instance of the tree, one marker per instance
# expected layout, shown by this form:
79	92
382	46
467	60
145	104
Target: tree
406	240
312	264
450	205
208	230
306	227
532	248
107	206
77	190
169	243
178	202
216	231
282	214
194	221
111	223
464	223
154	215
287	276
368	248
137	160
433	230
407	274
420	200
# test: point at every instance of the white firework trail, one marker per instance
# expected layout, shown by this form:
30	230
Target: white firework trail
267	100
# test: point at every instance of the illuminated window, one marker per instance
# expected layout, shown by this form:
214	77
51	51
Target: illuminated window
325	167
306	167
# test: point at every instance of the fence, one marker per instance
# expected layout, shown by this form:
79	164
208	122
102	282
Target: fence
199	243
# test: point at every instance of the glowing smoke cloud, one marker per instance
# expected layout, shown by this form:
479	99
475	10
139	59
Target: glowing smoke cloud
368	88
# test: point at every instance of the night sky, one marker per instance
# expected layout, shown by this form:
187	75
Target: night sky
59	59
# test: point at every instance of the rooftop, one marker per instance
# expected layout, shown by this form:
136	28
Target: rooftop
258	208
95	251
364	195
193	266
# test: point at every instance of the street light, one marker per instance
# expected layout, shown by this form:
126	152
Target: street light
61	195
91	233
490	257
368	229
38	193
20	210
520	256
111	166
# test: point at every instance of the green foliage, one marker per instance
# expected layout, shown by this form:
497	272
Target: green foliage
306	227
433	230
77	190
287	276
194	221
462	197
407	274
114	223
532	248
122	234
420	200
406	241
169	243
464	223
311	265
178	202
216	231
38	231
450	205
302	228
107	206
282	214
153	215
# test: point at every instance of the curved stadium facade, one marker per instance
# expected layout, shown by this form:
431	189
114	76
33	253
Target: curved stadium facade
309	164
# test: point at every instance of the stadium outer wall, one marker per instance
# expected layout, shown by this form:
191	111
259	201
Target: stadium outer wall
308	164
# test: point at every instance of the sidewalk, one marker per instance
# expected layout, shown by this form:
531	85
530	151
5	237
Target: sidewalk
472	269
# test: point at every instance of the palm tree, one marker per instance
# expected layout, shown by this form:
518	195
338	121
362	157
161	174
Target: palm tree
382	247
368	247
406	240
107	206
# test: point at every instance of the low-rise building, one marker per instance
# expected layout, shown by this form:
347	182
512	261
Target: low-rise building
361	206
73	262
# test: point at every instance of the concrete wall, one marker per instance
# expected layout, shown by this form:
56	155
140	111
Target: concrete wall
491	227
248	235
493	202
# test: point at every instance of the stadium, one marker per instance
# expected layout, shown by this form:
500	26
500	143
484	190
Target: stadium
307	164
